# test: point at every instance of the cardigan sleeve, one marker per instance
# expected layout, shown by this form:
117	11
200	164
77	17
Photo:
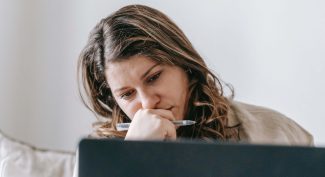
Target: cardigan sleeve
266	126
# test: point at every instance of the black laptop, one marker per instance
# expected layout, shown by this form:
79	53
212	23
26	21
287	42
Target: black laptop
117	158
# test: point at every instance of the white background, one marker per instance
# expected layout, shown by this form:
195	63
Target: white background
272	52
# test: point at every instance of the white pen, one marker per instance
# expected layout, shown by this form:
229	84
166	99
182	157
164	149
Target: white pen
125	126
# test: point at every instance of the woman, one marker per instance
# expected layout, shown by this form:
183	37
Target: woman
139	67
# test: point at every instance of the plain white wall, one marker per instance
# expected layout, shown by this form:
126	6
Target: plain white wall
272	52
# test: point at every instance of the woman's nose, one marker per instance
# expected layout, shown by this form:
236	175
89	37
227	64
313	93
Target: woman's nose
149	100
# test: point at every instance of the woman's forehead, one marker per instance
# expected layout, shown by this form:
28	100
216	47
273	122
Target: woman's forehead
130	63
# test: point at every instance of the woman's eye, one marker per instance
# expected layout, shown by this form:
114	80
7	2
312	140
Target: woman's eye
127	95
153	78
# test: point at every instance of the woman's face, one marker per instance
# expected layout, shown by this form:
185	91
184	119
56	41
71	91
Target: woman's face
140	83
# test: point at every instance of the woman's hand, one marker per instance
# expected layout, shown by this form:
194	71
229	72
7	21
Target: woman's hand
152	124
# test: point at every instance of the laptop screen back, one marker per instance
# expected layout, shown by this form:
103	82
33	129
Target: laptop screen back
116	158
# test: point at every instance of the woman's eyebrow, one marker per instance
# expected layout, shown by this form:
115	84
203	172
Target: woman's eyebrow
148	71
119	90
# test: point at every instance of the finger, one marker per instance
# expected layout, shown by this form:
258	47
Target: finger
167	114
170	131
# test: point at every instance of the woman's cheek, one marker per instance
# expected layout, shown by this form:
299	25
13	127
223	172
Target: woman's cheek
131	109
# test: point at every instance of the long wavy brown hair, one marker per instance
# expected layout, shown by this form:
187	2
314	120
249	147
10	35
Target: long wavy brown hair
141	30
